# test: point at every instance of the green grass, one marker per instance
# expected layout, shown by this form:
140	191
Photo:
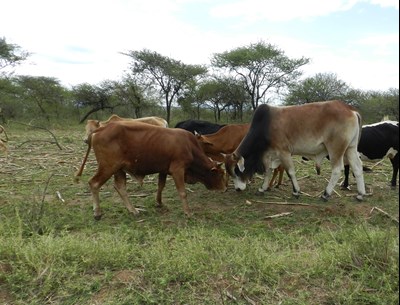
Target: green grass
52	251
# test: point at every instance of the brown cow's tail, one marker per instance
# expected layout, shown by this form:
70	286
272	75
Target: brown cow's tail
80	171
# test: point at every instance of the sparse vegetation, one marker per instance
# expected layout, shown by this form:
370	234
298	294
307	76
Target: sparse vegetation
52	251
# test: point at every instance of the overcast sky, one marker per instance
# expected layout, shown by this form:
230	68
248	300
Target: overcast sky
81	41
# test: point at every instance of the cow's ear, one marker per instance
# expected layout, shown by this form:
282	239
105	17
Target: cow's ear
217	167
235	157
240	164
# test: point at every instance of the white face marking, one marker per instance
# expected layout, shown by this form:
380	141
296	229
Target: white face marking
239	184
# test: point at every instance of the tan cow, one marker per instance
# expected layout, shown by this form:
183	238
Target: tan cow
142	149
313	130
92	125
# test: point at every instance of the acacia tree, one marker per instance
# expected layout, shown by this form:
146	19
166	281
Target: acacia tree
321	87
170	76
223	93
261	67
97	98
45	92
129	92
10	55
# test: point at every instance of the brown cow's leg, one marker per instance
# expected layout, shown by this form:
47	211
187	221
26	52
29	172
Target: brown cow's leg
161	184
95	184
280	178
179	180
272	181
120	187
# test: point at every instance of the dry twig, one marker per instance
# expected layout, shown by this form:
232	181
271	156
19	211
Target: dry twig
384	213
278	215
283	203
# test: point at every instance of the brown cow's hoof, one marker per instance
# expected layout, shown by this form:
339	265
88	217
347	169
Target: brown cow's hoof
97	217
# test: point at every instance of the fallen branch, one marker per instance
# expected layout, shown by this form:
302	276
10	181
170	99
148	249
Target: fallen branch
384	213
278	215
38	127
376	164
283	203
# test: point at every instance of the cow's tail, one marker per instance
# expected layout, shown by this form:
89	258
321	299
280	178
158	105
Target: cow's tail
80	171
359	126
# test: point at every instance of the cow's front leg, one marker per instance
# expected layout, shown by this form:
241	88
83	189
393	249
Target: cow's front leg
179	180
162	178
120	186
96	201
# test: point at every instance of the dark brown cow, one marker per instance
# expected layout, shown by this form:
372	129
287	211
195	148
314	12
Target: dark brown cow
225	141
312	130
92	125
142	149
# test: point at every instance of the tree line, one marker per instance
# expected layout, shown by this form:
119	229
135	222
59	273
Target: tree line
228	89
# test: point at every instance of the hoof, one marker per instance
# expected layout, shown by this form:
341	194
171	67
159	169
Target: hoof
261	190
97	217
325	196
359	197
296	195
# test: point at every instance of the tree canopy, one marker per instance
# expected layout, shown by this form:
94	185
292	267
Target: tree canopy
261	67
171	76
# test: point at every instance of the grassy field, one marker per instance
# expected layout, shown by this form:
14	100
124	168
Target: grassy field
231	251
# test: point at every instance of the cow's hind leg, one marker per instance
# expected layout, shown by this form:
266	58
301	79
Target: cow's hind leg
95	184
120	187
357	169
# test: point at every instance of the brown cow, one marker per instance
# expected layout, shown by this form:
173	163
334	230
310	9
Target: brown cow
92	125
141	149
225	141
312	130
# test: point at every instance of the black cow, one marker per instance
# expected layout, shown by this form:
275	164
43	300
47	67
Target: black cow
378	141
201	127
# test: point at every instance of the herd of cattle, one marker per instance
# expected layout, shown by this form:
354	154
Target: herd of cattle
209	153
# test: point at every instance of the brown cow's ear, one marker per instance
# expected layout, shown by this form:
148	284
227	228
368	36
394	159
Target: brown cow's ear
217	167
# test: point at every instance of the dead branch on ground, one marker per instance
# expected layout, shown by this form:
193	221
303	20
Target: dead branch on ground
43	128
384	213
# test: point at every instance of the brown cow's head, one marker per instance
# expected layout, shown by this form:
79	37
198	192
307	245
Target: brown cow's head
218	179
214	178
